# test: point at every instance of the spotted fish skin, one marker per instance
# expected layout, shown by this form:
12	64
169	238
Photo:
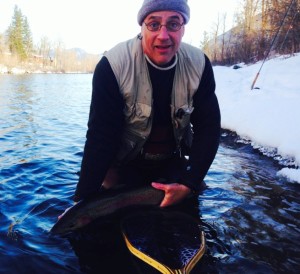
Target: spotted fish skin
105	203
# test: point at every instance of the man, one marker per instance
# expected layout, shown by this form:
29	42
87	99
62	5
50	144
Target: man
153	102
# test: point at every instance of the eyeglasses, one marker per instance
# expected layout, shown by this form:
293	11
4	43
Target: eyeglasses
171	26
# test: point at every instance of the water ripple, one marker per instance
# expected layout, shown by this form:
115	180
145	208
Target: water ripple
250	216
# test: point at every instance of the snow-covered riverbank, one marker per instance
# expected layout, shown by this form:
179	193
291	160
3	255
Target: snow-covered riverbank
268	115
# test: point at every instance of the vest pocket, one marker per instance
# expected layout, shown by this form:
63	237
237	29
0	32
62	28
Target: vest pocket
183	115
138	117
130	146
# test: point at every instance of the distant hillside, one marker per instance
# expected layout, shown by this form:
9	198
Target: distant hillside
82	54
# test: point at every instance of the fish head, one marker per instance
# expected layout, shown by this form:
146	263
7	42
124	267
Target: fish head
70	222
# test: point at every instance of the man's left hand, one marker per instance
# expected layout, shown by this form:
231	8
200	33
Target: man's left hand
174	193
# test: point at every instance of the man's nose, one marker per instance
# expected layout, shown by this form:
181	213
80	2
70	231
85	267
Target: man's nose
163	32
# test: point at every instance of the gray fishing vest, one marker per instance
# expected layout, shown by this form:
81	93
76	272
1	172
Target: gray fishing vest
129	65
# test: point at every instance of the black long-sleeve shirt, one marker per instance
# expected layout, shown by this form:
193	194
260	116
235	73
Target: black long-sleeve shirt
106	122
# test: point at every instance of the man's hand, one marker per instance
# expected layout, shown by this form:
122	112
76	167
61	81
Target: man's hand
174	193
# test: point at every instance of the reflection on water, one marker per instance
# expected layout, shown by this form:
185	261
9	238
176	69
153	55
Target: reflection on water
250	216
260	213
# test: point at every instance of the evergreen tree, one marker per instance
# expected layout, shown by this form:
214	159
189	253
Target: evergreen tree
27	37
19	35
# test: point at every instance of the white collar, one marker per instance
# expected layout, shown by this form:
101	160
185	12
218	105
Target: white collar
162	68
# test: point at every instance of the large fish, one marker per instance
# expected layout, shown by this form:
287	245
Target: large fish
105	203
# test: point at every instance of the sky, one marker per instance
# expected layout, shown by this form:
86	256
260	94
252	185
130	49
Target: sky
97	25
269	114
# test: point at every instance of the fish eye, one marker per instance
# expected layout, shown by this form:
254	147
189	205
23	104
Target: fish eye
71	225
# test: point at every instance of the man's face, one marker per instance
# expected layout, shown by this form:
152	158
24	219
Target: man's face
161	45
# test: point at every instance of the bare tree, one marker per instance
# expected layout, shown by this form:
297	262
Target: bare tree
215	40
222	57
205	44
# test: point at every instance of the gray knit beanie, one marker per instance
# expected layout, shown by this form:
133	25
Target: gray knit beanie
150	6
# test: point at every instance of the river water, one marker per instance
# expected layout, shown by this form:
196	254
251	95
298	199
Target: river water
250	216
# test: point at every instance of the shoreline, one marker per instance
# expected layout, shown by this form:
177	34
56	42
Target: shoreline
18	71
